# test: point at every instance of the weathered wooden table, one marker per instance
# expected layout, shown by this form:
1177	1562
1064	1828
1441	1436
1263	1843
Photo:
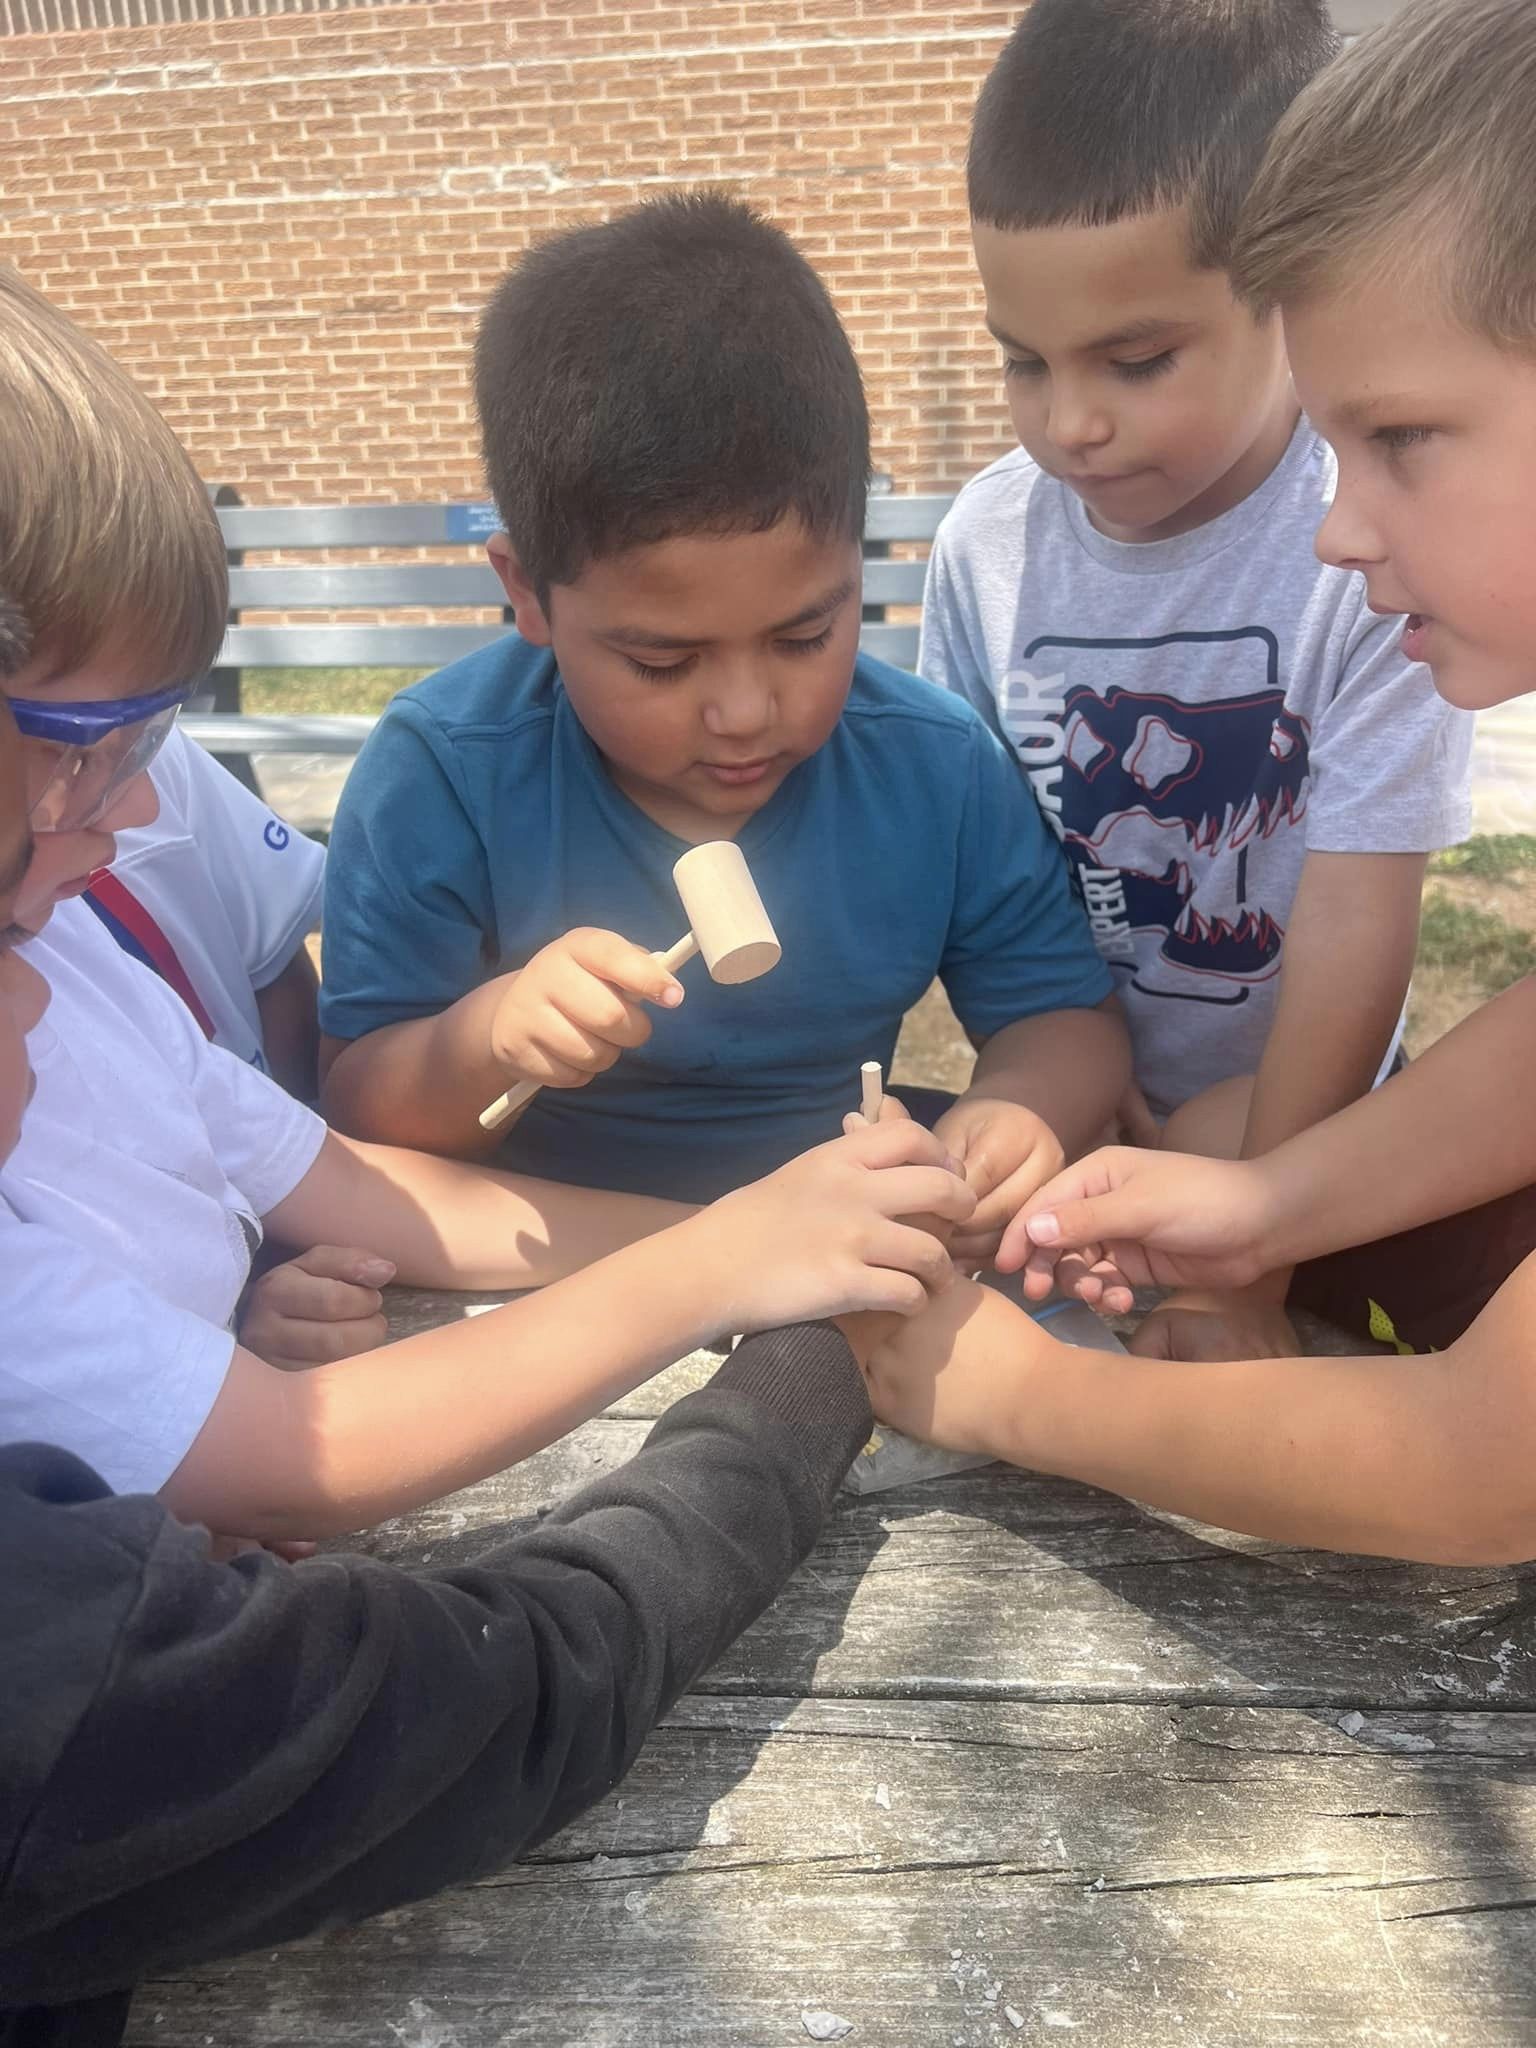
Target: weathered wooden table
1009	1760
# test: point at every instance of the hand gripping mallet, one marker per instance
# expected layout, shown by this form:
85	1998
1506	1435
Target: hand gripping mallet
727	924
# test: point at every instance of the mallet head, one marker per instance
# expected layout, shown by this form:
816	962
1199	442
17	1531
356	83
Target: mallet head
725	912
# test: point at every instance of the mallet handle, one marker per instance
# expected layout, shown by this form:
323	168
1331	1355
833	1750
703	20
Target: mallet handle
685	949
506	1106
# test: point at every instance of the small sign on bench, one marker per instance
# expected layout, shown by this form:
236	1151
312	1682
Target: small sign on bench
472	522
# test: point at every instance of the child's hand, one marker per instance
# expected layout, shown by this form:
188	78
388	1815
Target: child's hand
1007	1153
957	1375
318	1308
826	1234
1122	1219
576	1007
1209	1326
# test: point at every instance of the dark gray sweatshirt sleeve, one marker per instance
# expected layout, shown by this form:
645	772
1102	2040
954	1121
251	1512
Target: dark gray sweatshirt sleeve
202	1758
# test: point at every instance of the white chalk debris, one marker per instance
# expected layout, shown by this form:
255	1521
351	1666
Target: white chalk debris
824	2026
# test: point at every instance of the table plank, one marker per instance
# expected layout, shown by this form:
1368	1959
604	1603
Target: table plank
1134	1875
1012	1586
1008	1759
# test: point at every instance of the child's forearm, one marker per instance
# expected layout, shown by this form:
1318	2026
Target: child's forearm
1348	959
1456	1128
1425	1458
446	1224
1070	1067
594	1620
309	1454
421	1083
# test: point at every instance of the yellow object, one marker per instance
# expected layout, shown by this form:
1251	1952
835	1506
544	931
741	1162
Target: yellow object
1384	1330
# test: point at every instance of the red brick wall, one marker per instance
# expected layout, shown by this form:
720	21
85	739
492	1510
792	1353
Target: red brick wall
284	226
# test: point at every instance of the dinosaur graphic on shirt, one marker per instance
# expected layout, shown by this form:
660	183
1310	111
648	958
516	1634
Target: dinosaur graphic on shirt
1165	808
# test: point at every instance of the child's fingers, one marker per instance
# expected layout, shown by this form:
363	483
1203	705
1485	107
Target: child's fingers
595	1007
624	965
292	1292
1096	1281
345	1262
893	1110
562	1054
888	1288
301	1342
970	1248
907	1249
899	1143
924	1191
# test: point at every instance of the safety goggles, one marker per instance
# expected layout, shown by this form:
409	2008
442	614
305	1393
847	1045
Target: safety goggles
101	748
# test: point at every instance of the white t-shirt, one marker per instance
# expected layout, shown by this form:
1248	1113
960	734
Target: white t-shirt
1194	716
129	1212
230	885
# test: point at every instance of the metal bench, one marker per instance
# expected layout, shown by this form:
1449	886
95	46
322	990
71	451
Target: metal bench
322	586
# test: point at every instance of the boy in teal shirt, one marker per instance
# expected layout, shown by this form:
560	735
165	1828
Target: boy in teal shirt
677	440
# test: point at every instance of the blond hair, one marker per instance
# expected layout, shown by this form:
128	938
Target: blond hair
1412	156
107	536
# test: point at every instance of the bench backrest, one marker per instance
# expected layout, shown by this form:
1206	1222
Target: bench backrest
464	585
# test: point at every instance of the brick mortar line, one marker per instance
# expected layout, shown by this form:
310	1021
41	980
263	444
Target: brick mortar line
831	178
183	77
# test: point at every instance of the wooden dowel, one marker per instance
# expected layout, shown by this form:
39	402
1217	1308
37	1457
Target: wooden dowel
507	1106
871	1094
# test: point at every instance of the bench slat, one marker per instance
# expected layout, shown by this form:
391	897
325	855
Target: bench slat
403	647
352	646
320	586
435	646
895	644
905	516
348	526
235	733
894	582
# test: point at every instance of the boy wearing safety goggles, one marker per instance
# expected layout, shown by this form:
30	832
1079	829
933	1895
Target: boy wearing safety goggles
150	1163
425	1726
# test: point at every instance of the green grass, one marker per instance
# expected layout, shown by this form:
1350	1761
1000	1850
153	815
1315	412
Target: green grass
1476	945
280	692
1487	857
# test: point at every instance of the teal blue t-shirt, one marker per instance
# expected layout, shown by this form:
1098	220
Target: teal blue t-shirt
480	823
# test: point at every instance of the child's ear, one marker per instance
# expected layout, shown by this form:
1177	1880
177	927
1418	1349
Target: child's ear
532	619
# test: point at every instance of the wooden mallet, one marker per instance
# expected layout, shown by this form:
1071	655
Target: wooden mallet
726	923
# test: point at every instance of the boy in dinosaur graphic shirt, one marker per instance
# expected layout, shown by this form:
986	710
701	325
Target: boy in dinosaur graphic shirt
1245	769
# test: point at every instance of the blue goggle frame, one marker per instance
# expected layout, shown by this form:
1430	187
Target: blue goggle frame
103	746
85	724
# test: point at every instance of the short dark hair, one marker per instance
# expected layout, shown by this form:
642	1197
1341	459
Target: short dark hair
679	369
1100	110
